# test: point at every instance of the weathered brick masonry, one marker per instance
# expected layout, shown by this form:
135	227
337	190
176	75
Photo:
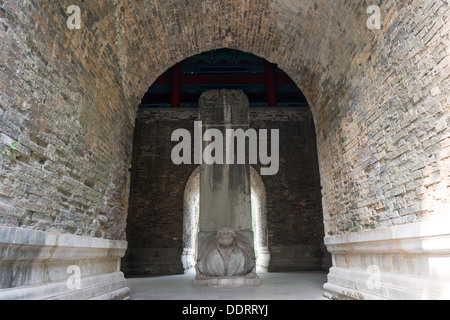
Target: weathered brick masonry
63	99
379	100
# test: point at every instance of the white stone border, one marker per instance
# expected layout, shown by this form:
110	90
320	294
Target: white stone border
21	236
47	254
103	287
413	244
422	229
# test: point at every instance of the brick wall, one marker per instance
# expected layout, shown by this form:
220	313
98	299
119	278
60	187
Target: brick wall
62	97
379	100
155	218
383	141
294	202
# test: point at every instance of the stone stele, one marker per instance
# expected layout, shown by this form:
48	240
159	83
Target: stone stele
225	250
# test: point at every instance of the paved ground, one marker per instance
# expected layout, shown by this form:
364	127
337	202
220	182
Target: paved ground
274	286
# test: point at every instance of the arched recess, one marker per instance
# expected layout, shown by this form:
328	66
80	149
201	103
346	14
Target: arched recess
191	202
259	219
152	209
362	85
335	69
190	221
350	75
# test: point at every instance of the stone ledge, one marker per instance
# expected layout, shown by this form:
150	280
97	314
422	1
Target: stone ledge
408	262
419	237
353	284
34	265
21	236
17	244
96	287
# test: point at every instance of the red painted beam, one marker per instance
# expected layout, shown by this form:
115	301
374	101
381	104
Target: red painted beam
175	98
283	78
271	87
241	78
163	80
199	78
252	78
224	78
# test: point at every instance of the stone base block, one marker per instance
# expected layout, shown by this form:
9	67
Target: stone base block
103	287
227	282
38	265
405	262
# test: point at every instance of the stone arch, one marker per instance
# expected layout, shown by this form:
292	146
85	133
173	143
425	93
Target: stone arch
328	64
190	220
350	79
259	217
280	27
379	100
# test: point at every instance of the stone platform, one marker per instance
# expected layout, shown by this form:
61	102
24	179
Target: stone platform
35	265
404	262
227	282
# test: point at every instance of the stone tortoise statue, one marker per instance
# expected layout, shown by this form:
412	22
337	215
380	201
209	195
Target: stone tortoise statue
226	254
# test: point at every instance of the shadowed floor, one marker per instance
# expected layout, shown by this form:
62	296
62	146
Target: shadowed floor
274	286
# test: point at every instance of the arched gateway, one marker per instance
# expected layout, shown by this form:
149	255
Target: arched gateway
378	97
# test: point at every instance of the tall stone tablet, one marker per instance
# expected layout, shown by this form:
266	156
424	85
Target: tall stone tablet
225	252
